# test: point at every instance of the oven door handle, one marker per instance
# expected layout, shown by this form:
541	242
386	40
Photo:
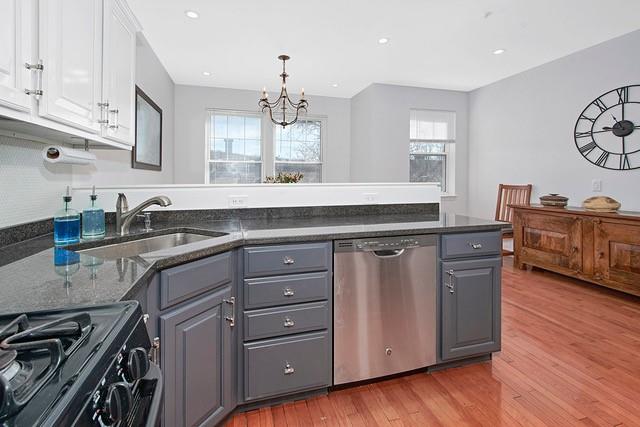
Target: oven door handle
155	374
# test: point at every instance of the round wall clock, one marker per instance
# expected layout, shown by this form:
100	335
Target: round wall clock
607	132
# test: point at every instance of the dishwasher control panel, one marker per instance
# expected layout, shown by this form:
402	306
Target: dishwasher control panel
384	243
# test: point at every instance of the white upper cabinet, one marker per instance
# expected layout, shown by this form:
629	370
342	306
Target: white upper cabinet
16	28
119	63
70	47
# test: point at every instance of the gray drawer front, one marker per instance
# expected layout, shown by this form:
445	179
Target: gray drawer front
291	319
471	244
278	290
180	283
304	357
285	259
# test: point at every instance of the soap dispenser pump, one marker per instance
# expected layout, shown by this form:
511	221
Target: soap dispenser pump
66	224
93	219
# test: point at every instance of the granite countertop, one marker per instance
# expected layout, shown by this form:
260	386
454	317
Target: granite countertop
35	276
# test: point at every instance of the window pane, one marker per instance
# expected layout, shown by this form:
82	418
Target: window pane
312	172
236	127
235	148
301	142
235	172
428	168
252	128
220	126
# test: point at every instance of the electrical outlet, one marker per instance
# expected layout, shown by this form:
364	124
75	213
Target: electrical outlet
370	197
596	185
238	201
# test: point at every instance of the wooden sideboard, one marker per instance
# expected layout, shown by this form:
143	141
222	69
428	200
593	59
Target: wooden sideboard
602	248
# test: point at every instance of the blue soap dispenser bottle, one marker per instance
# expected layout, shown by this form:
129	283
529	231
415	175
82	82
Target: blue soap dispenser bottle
93	219
66	224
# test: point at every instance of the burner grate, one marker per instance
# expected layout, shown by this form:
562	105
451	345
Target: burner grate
19	338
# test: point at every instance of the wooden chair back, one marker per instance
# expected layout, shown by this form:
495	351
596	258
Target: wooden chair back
511	195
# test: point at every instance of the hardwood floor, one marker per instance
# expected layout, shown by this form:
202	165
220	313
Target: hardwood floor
570	357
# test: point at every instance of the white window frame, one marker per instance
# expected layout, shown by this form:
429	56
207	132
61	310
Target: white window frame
449	151
323	144
267	142
212	111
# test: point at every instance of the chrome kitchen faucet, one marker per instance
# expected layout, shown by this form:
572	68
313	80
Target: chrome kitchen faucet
124	216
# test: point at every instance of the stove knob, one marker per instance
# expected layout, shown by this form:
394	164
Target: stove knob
137	364
117	403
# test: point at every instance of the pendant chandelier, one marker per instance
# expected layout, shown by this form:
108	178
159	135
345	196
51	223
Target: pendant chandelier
283	107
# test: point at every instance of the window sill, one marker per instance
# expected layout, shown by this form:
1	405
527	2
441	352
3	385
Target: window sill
448	196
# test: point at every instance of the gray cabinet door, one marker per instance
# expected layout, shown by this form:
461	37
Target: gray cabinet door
197	362
470	307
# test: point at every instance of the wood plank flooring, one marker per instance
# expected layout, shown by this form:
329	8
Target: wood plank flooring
570	357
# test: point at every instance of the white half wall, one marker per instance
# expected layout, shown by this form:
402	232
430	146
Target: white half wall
191	106
113	167
185	197
521	128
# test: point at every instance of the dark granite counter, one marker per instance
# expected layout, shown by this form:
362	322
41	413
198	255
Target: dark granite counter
34	275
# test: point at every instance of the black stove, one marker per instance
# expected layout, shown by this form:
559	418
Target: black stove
84	366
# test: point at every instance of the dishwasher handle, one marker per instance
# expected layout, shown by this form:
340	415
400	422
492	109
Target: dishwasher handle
388	253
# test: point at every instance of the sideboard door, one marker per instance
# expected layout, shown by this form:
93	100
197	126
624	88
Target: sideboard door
617	255
549	241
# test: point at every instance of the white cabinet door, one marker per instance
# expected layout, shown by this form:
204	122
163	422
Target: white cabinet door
119	63
70	46
16	26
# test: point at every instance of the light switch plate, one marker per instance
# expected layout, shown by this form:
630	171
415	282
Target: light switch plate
239	201
596	185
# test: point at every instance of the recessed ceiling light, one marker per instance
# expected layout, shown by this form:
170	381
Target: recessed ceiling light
499	51
383	40
334	85
206	73
191	14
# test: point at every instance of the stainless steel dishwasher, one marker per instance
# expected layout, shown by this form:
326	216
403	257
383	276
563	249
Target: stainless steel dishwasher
384	306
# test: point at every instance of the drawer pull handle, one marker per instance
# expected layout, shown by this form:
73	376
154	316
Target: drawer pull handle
288	260
288	292
476	245
231	319
288	369
288	323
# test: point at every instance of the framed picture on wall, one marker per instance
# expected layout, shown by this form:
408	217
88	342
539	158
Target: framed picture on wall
147	152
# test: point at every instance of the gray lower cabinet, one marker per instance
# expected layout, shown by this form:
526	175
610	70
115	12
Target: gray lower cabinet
197	355
470	319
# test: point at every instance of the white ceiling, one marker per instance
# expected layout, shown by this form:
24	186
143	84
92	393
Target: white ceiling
444	44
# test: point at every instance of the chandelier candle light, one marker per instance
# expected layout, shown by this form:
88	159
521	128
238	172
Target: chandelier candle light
283	104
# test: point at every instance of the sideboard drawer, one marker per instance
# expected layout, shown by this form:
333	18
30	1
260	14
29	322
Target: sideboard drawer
290	319
286	365
279	290
471	244
285	259
185	281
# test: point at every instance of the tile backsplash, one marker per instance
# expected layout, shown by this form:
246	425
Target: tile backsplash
29	189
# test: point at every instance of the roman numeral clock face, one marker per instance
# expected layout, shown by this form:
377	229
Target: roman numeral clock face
607	132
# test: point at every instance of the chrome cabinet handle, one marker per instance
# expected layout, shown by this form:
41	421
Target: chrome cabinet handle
104	106
288	322
451	284
287	292
116	118
476	245
39	68
288	369
231	319
288	260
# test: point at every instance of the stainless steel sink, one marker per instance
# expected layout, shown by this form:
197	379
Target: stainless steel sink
142	246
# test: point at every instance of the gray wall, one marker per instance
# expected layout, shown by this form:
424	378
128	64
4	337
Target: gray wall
113	167
522	128
192	102
380	134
